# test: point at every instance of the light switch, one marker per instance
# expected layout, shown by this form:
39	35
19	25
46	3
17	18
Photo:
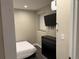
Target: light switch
62	36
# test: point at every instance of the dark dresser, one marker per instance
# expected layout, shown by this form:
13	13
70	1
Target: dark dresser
49	47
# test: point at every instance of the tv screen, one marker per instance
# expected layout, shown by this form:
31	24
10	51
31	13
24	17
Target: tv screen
50	20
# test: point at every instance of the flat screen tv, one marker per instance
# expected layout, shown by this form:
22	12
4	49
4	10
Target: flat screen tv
50	20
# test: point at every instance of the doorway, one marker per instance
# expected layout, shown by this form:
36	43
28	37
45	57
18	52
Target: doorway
60	17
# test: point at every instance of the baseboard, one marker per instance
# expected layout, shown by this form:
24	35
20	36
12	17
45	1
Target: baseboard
36	44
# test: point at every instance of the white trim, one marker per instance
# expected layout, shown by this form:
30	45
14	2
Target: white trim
75	6
36	44
71	29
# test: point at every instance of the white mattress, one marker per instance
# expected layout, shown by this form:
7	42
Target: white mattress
24	49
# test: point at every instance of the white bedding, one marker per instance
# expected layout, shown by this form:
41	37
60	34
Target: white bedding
24	49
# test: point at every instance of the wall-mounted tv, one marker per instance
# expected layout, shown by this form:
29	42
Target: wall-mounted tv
50	20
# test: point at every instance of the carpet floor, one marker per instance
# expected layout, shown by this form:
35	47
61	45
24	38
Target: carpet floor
38	54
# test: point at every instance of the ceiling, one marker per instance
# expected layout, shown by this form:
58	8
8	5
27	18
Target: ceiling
32	4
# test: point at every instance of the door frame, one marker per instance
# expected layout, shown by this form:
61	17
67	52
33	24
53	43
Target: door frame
74	28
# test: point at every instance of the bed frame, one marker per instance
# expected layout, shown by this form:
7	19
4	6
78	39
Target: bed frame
32	56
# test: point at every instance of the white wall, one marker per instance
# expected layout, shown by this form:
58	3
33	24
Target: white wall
25	25
43	30
30	25
64	19
48	30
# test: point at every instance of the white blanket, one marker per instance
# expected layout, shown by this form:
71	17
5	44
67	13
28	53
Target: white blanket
24	49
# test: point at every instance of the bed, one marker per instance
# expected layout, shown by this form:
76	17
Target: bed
24	49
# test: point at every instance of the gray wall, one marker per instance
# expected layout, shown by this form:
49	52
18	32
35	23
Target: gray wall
7	30
2	56
76	48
